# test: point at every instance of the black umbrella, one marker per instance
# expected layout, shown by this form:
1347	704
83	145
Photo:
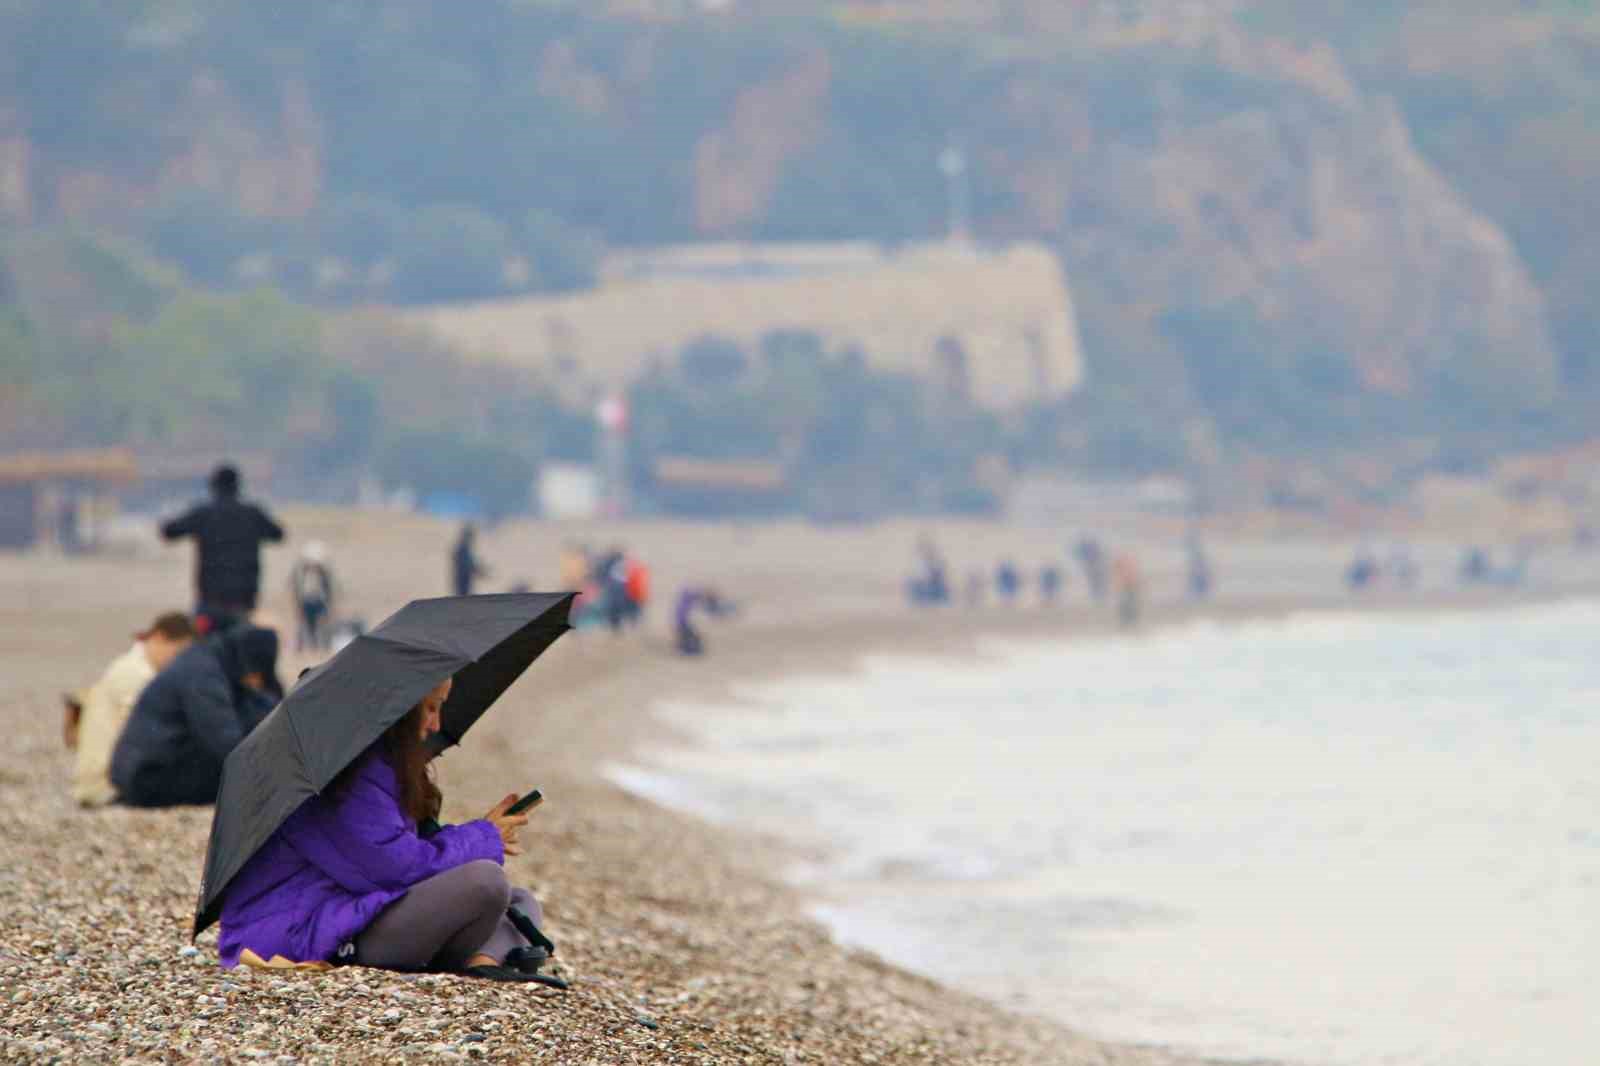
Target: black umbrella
336	711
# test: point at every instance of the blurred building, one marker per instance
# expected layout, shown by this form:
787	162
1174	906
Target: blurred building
684	485
59	497
1001	322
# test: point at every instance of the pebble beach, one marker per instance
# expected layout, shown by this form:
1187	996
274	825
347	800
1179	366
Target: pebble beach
680	940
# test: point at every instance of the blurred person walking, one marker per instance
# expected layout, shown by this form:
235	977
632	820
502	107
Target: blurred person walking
1049	583
465	567
311	581
611	577
573	566
95	723
1200	576
1127	583
228	533
1007	581
636	589
1092	558
931	585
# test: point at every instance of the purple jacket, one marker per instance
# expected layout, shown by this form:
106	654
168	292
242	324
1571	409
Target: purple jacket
334	864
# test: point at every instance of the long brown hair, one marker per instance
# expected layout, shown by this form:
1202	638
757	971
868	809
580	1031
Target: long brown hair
402	744
402	747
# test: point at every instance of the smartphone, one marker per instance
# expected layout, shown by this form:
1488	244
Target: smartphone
528	802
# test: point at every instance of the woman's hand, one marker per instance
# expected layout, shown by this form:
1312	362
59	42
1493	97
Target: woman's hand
507	824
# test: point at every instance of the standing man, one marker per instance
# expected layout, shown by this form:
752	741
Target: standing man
94	725
611	574
464	564
228	533
1092	557
1007	581
1127	582
1199	568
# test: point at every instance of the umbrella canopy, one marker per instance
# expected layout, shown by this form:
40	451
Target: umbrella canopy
335	712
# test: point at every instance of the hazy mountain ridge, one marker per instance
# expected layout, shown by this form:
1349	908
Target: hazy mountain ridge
1268	230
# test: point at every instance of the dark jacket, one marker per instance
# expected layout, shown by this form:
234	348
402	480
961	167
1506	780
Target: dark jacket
464	567
190	716
228	533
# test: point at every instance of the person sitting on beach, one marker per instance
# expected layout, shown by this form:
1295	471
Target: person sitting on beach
192	715
349	879
95	720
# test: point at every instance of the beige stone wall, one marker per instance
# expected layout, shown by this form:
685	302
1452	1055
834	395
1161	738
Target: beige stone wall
1010	311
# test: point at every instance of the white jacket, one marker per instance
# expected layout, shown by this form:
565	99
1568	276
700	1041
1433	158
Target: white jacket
106	708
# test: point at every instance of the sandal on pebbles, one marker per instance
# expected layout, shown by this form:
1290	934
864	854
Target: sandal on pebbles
511	974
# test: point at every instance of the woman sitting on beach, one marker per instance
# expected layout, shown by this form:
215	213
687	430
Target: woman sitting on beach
348	879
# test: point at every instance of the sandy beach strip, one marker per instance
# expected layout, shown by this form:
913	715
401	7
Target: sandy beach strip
681	943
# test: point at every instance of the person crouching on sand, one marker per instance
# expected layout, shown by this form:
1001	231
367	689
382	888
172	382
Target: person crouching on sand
349	879
192	714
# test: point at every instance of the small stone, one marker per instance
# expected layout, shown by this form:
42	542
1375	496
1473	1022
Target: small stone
473	1038
390	1017
647	1021
189	951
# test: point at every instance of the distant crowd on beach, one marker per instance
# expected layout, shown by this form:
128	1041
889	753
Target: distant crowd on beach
155	727
1109	576
1397	569
362	872
1116	576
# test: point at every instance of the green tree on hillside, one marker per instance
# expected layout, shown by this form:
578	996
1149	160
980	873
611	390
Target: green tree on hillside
249	363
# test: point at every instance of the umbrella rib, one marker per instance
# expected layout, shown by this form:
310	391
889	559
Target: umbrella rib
380	638
299	745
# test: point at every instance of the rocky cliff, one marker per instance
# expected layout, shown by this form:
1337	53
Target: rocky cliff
1258	238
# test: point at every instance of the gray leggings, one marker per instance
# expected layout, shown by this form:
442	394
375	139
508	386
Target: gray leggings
442	922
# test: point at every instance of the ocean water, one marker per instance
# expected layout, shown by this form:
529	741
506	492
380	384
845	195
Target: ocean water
1333	839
